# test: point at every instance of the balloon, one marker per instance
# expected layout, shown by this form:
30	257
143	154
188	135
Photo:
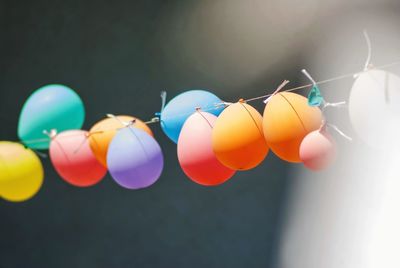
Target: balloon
317	150
237	139
134	158
50	107
287	120
73	159
195	153
374	108
21	172
182	106
104	131
314	97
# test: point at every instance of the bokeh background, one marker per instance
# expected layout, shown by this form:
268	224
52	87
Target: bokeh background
119	55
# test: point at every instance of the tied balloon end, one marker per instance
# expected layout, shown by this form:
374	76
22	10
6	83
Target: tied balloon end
279	88
124	123
51	134
368	65
323	126
315	98
335	104
153	120
341	133
307	74
163	96
224	104
157	115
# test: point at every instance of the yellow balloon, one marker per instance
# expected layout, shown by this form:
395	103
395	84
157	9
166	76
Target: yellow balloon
21	172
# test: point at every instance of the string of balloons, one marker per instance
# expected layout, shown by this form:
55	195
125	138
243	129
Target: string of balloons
214	138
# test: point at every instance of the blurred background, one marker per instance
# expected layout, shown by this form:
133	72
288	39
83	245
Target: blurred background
119	55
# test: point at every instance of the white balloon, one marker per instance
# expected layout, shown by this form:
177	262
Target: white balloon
374	108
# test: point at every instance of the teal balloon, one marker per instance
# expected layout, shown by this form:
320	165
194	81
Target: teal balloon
177	110
50	107
315	98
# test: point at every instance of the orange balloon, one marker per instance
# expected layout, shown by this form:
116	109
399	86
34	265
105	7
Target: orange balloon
104	131
237	138
287	120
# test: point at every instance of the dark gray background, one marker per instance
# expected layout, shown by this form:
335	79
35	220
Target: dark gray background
118	55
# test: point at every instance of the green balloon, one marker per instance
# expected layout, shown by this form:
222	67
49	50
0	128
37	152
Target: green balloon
50	107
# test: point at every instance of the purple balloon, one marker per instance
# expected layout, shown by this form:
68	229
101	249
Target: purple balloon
134	158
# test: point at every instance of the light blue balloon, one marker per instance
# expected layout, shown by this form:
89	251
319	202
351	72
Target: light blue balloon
50	107
182	106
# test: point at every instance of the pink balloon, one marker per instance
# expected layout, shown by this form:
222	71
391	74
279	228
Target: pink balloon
317	150
195	153
73	159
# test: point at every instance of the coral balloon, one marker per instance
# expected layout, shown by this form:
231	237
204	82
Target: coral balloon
237	139
134	158
317	150
73	159
287	120
195	153
21	172
50	107
104	131
374	108
182	106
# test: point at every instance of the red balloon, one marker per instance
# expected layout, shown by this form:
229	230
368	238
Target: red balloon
317	150
73	159
195	153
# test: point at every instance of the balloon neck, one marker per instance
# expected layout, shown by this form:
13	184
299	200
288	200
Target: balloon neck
322	128
153	120
242	101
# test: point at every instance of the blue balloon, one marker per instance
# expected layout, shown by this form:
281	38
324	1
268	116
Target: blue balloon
134	158
184	105
50	107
